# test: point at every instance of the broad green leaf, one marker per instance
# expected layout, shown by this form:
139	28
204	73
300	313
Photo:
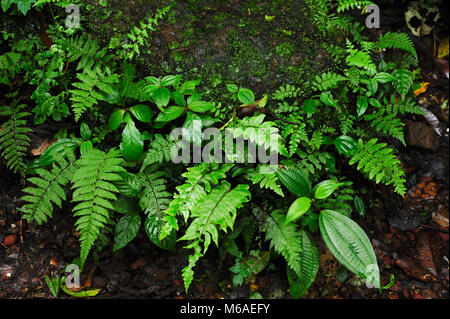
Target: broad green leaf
179	99
153	225
115	119
161	97
132	144
361	105
81	293
170	114
142	113
349	245
126	229
170	80
295	181
232	88
383	77
201	106
345	145
85	132
310	106
85	147
359	205
246	96
188	87
325	188
298	208
193	126
327	98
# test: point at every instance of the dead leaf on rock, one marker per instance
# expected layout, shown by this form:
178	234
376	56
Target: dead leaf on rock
429	249
440	216
413	269
41	148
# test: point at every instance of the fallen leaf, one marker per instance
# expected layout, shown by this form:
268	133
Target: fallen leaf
10	240
422	89
440	216
415	270
429	249
443	48
41	148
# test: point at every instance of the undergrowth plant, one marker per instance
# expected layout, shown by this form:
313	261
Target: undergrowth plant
115	163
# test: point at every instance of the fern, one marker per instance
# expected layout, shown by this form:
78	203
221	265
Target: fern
257	131
94	190
403	80
284	239
158	151
217	211
49	187
387	124
380	164
13	139
327	81
360	59
286	91
199	180
265	180
345	5
94	83
395	105
400	41
154	200
9	66
85	49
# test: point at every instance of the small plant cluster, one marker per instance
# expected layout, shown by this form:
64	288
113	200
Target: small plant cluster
115	168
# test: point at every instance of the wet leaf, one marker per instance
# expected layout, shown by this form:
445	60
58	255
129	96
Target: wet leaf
132	142
443	48
429	249
126	229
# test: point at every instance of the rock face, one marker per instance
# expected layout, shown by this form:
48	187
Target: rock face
231	41
421	135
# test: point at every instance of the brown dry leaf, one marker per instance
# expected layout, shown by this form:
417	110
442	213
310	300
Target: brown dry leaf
440	216
413	269
443	48
429	249
41	148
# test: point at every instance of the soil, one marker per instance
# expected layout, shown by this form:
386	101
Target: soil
232	40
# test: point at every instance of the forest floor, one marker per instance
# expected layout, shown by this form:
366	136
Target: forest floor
410	235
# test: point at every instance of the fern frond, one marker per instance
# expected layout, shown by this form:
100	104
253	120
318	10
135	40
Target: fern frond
268	181
284	239
94	190
216	211
327	81
94	83
400	41
345	5
380	164
387	124
396	105
13	139
158	151
286	91
49	187
85	49
199	180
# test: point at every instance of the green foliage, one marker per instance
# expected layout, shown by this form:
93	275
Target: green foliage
94	190
400	41
13	139
216	211
48	188
93	85
380	164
